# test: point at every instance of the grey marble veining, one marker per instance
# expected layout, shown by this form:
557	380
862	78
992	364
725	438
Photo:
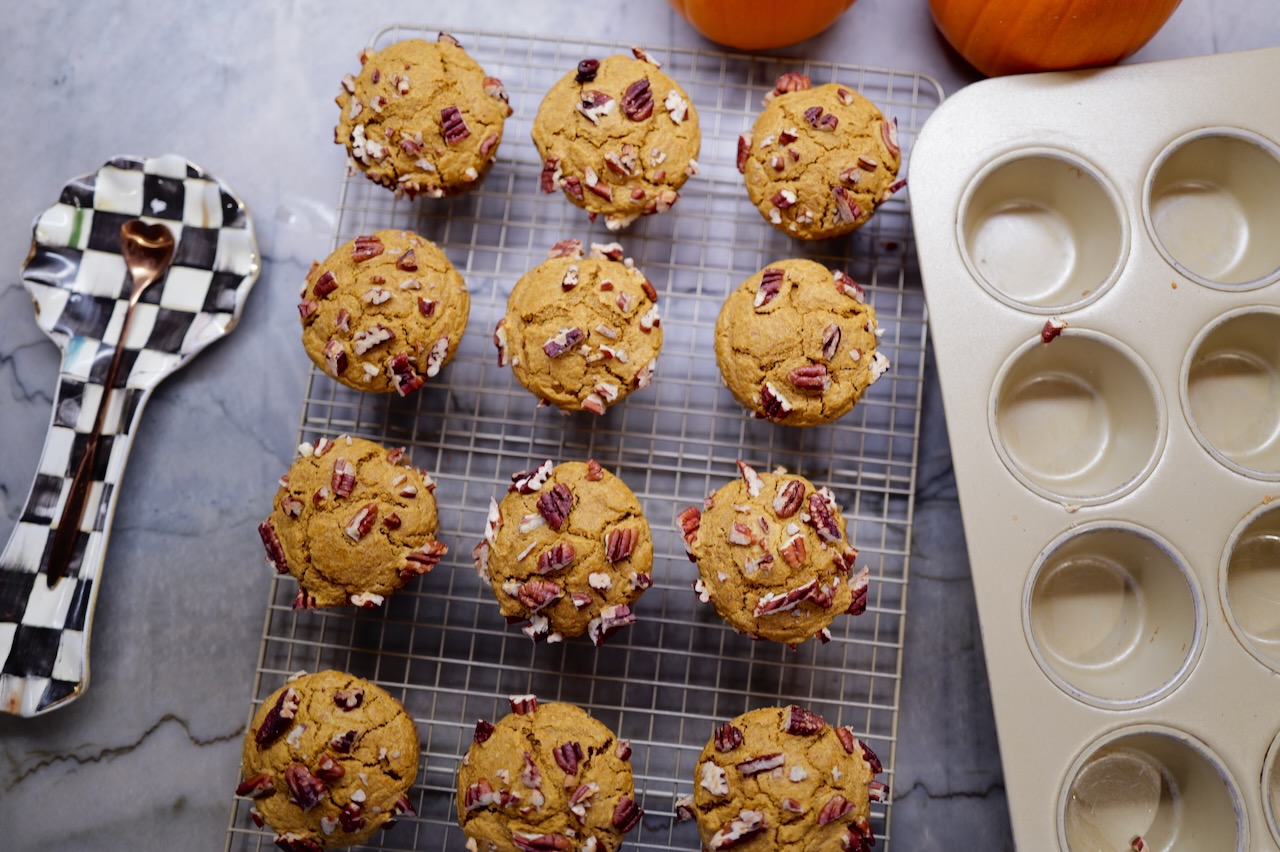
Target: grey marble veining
148	756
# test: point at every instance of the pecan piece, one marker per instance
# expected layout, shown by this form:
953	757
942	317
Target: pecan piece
770	286
554	505
324	285
803	722
373	336
351	818
689	520
772	602
335	357
847	210
637	101
403	376
550	174
581	600
846	285
348	699
793	551
744	826
626	814
784	199
536	594
611	620
275	550
256	787
763	763
366	247
478	795
422	560
307	309
304	788
727	737
587	70
531	481
530	774
453	126
362	522
566	340
435	360
594	105
744	151
819	121
1052	329
488	144
836	807
343	743
408	261
523	705
567	756
822	519
291	842
790	498
773	404
831	341
861	586
620	543
792	81
329	770
595	472
484	730
573	186
279	718
889	133
678	109
811	377
493	88
749	476
525	842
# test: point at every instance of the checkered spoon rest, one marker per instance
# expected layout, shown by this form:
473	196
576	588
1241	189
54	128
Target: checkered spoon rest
80	286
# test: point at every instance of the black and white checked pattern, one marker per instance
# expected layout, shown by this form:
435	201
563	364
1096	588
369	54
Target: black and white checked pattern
81	287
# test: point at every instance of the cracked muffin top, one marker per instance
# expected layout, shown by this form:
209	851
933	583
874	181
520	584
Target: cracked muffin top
352	522
819	161
619	137
796	343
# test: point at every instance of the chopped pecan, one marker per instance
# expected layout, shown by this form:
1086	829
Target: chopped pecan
291	842
536	594
335	357
453	126
573	186
366	247
422	560
846	285
256	787
770	286
525	842
773	404
351	818
793	551
581	600
741	534
612	619
763	763
324	285
407	261
304	601
822	518
689	520
831	341
435	360
531	481
343	743
861	587
567	757
493	88
744	826
587	70
362	522
304	788
727	737
622	750
836	807
488	144
771	602
348	699
819	121
500	341
792	81
570	279
678	109
555	558
749	476
530	774
478	795
550	174
744	151
554	505
637	101
373	336
329	770
811	377
844	96
789	499
889	132
594	105
563	342
1052	329
448	38
626	814
595	472
784	199
307	309
847	210
275	550
523	705
803	722
620	543
403	376
484	730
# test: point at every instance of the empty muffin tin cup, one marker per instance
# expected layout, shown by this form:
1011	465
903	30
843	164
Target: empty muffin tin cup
1113	615
1231	390
1210	207
1249	584
1155	783
1042	230
1271	788
1079	420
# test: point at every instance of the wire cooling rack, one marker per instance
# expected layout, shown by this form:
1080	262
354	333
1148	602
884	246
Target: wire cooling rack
440	645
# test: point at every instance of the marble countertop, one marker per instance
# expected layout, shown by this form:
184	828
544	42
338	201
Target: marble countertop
148	757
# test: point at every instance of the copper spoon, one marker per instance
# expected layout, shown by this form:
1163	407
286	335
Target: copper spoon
147	251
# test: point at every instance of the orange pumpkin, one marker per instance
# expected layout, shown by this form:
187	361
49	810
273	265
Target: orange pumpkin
1015	36
760	24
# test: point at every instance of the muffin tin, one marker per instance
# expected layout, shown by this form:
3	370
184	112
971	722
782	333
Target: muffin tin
440	645
1099	258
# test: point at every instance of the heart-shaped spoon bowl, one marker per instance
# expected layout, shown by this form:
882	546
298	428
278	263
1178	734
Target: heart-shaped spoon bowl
80	285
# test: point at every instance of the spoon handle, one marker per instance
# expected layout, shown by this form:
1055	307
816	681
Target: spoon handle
44	630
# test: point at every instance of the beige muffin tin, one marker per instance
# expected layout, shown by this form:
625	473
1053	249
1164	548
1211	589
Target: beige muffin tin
1101	254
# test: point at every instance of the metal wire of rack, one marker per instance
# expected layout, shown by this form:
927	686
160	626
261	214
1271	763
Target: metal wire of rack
440	645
